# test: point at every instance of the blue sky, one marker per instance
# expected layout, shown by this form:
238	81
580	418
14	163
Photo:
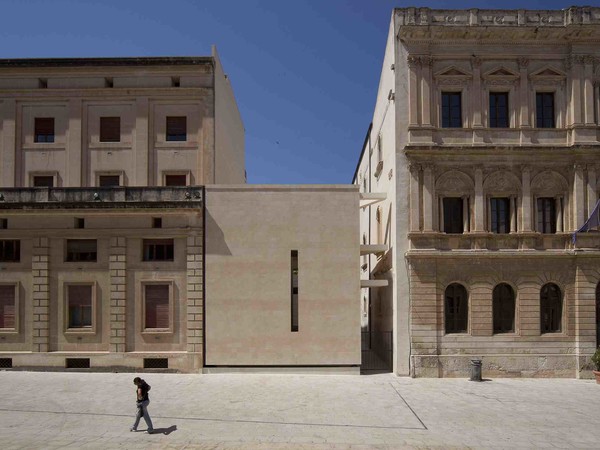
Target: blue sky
305	72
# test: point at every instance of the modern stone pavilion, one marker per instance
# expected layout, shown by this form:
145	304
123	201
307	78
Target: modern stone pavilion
482	158
129	239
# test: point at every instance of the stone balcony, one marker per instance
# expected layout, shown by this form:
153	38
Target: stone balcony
101	197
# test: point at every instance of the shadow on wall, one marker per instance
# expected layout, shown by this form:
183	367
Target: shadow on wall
215	239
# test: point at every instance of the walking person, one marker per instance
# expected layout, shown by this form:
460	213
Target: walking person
142	402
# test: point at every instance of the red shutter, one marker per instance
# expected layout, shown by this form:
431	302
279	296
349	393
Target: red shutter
7	306
110	129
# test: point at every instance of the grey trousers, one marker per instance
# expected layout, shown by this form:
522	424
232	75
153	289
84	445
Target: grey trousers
142	411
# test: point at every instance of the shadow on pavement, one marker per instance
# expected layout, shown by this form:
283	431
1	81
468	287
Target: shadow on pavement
165	431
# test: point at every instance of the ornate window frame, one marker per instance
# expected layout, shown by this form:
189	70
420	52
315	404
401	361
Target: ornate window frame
502	183
549	183
549	79
501	79
452	79
454	183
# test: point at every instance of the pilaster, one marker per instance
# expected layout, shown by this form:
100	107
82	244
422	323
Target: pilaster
476	93
523	95
584	312
478	206
194	295
41	294
74	145
588	89
415	197
526	216
141	144
578	197
117	266
591	189
428	198
426	62
413	94
7	167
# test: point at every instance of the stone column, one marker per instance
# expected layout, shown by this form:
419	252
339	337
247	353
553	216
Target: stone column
144	174
576	102
117	266
415	198
523	94
428	198
41	294
426	63
588	89
194	298
8	110
441	214
578	197
513	214
476	93
478	204
526	201
559	214
75	174
465	211
591	189
413	94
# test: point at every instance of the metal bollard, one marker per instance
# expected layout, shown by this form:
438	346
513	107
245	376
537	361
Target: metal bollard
475	370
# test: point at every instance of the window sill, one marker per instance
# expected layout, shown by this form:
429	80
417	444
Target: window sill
170	145
110	146
77	331
9	331
157	331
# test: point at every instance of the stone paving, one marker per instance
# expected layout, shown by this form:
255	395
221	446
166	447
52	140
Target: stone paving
256	411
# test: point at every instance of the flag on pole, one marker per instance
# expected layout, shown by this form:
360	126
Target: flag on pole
592	222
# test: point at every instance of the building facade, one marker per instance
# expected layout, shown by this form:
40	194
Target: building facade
481	161
104	227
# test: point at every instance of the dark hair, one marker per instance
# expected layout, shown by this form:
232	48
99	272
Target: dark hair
136	380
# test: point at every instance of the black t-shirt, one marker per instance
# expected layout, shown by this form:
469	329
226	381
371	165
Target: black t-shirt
145	388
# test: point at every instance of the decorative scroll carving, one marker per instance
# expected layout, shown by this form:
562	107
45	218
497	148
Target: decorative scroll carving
426	61
454	182
523	63
413	61
502	181
549	183
476	61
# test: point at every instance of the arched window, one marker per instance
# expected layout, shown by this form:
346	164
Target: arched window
456	308
503	307
550	308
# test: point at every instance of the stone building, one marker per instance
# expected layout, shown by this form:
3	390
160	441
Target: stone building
106	170
481	160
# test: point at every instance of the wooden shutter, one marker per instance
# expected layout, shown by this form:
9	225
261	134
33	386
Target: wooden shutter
157	306
110	129
44	129
176	128
7	306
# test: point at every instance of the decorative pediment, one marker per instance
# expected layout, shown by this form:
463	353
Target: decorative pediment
549	183
500	72
454	182
548	72
453	72
501	182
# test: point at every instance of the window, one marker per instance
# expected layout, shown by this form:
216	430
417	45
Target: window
79	306
176	128
451	110
157	306
157	222
498	109
456	308
3	224
79	222
503	306
109	180
158	249
43	181
544	107
110	129
8	307
546	215
294	289
550	309
175	180
453	215
500	212
81	250
10	250
43	129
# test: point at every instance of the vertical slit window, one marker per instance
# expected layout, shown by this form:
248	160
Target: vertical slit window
550	309
294	289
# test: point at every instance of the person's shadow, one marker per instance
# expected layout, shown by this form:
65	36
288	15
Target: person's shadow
165	431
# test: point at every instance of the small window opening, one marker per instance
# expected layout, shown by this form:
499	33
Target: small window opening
175	82
77	363
108	82
294	289
79	222
157	222
43	83
3	224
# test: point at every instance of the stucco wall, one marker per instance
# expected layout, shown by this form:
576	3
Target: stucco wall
250	233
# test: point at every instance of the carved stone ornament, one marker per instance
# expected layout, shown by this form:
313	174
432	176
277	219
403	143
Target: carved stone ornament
476	61
549	183
452	76
523	63
502	182
454	182
413	61
548	76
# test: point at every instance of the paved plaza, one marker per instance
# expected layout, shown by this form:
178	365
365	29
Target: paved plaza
219	411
